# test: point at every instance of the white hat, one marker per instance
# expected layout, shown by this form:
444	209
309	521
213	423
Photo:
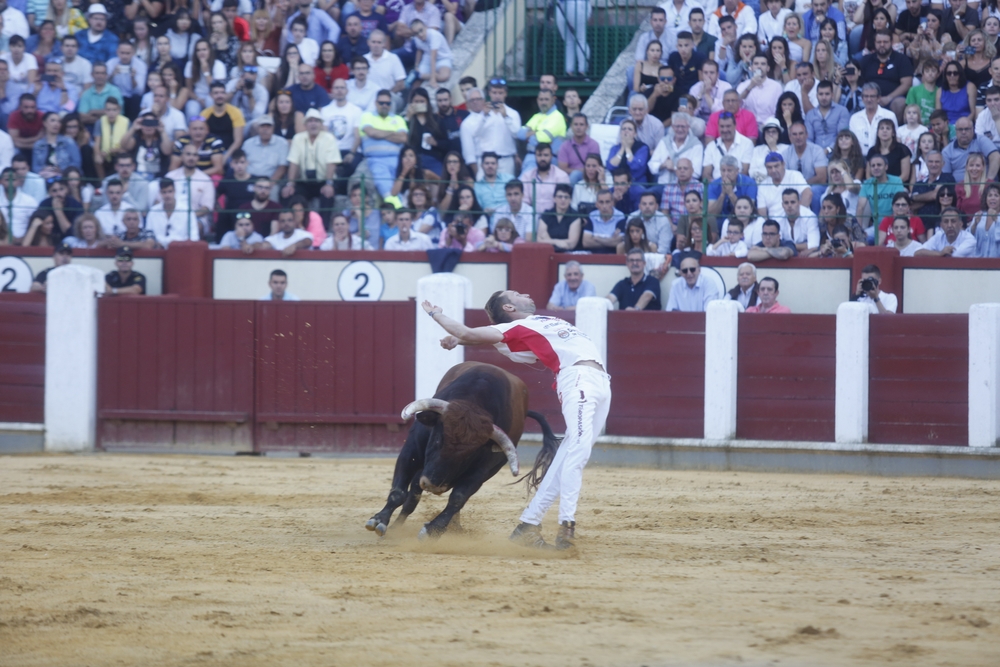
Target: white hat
314	113
97	8
263	120
771	122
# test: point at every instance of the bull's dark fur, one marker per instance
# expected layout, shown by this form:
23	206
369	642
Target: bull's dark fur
454	450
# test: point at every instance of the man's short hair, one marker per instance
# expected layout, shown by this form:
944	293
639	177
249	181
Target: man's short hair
726	19
748	265
121	156
494	308
238	154
887	33
69	38
993	90
697	10
575	116
259	179
166	184
622	171
113	182
809	66
112	101
572	264
471	80
442	91
735	223
640	98
684	34
657	10
729	161
18	157
877	156
872	268
383	93
514	184
824	84
359	60
15	40
771	223
24	96
279	273
681	115
646	194
216	84
938	114
492	155
543	146
769	278
790	191
636	251
869	87
565	188
710	62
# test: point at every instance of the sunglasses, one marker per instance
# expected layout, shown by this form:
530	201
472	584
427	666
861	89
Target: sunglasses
384	104
726	114
951	73
285	91
666	78
242	216
498	82
690	270
252	69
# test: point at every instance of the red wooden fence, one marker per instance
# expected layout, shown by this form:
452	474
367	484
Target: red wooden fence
333	376
22	358
786	377
919	386
175	372
657	367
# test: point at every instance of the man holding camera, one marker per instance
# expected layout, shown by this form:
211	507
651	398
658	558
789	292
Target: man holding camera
247	94
868	292
461	235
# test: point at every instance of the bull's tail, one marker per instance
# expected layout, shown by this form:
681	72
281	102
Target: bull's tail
550	443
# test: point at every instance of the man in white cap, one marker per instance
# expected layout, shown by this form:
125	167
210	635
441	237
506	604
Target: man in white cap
312	162
97	44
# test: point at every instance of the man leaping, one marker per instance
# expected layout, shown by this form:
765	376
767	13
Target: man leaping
584	391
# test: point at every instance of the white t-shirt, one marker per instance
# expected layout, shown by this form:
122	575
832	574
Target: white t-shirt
341	122
280	242
308	51
435	42
909	250
889	301
78	72
363	98
742	150
794	86
385	71
288	296
554	342
417	241
769	193
19	72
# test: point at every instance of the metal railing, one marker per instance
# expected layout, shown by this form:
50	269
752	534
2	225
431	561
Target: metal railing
371	200
528	38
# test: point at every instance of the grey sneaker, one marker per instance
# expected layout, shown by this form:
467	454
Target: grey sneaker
566	535
530	536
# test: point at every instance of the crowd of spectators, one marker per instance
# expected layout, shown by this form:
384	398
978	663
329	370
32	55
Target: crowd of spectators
328	124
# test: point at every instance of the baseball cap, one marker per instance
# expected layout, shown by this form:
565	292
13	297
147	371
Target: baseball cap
63	249
97	8
314	113
263	120
773	156
124	253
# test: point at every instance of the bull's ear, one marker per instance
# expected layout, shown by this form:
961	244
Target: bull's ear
428	417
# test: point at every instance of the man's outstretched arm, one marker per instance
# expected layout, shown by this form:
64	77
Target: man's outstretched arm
461	334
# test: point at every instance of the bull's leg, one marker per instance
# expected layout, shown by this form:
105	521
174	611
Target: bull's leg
460	495
412	500
408	468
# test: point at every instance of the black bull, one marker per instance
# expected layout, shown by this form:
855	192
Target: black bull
461	438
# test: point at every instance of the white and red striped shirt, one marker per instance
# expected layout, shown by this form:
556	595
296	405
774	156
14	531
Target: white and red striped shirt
554	342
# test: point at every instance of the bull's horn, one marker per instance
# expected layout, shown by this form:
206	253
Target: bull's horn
435	404
507	446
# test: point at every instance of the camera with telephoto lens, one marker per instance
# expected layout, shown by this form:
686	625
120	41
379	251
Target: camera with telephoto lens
460	228
869	285
836	243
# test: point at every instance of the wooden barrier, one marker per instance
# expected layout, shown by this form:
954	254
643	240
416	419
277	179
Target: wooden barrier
786	373
333	376
22	358
657	367
919	386
175	373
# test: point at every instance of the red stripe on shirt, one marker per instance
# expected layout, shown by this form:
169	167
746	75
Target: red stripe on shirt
523	339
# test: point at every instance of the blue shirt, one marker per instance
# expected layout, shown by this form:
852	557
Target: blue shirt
823	131
100	51
628	293
692	299
564	297
320	26
314	98
745	187
810	25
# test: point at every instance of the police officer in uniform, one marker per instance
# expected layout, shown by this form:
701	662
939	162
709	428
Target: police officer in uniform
124	280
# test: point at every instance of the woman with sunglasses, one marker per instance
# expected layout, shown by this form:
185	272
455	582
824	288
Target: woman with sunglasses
945	198
454	176
900	209
647	72
956	95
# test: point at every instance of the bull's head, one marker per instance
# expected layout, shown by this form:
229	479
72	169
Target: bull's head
460	426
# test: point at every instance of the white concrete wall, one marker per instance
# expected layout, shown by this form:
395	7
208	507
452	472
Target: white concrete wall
721	354
851	421
453	294
592	319
71	358
984	375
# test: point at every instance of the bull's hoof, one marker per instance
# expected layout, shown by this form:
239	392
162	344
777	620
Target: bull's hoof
423	535
377	526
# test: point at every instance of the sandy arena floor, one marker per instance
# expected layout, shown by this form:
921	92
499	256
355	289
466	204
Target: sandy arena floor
174	560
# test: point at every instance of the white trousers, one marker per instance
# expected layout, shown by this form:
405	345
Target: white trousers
574	14
585	396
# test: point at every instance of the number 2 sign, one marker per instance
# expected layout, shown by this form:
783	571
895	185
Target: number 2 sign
15	274
361	281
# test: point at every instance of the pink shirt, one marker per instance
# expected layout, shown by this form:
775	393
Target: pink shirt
746	124
472	238
776	308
